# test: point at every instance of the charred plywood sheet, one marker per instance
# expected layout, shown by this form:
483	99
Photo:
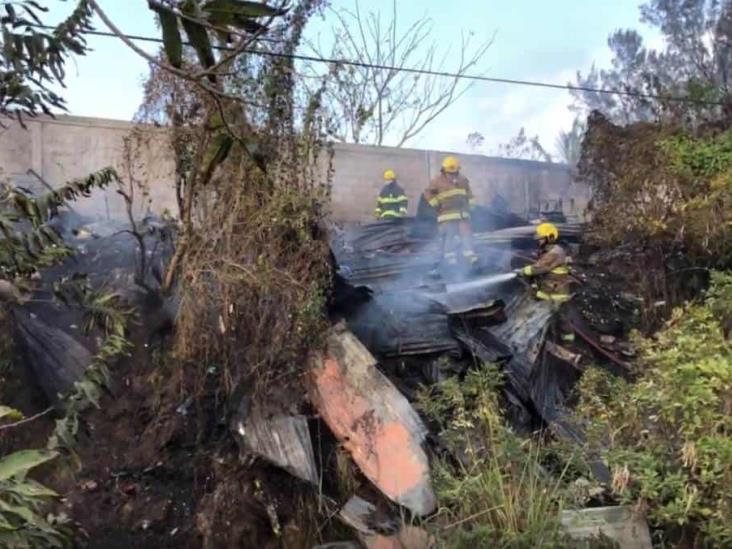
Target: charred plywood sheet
526	324
56	359
373	420
282	440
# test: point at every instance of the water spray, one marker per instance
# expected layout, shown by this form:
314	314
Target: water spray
483	282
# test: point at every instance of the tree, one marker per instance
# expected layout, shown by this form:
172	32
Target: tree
569	143
695	63
377	102
219	33
524	147
475	141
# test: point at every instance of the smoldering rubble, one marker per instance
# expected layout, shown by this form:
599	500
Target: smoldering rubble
396	328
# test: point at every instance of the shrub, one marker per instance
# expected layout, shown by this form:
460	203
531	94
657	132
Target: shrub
668	437
661	186
29	243
665	194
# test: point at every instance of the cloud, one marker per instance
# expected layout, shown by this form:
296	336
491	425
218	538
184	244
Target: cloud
499	112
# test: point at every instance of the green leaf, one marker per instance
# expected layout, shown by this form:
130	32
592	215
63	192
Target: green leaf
242	8
19	463
5	525
198	36
171	34
10	414
29	488
27	515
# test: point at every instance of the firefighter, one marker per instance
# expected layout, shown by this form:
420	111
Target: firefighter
552	278
449	193
392	202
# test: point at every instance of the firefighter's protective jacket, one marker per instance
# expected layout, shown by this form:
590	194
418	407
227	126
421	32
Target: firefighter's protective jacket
552	272
451	196
392	202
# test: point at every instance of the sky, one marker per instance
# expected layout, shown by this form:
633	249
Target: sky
534	40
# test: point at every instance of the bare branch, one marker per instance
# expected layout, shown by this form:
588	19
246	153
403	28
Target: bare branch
378	104
26	420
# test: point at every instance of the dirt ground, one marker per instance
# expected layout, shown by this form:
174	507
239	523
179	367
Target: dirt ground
156	470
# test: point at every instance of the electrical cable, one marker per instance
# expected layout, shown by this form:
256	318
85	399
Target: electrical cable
444	74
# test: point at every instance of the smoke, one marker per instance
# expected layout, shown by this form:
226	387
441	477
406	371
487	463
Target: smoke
412	293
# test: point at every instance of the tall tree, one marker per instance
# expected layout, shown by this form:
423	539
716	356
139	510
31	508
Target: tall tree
695	62
377	103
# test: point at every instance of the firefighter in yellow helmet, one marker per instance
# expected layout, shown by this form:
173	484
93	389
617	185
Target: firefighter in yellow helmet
392	202
449	193
552	277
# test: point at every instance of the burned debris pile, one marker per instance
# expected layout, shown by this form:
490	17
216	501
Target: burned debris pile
48	328
399	324
423	328
396	315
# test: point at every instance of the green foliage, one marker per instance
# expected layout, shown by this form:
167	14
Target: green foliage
27	242
32	60
198	18
499	496
171	36
19	463
719	299
103	311
22	500
662	187
9	414
668	437
698	160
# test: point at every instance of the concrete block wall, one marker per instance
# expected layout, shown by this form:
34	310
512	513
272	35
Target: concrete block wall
525	185
70	147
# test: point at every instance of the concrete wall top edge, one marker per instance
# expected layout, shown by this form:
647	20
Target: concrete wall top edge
87	121
68	119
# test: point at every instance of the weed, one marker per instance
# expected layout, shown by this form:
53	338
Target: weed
499	495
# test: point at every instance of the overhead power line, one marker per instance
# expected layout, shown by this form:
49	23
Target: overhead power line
445	74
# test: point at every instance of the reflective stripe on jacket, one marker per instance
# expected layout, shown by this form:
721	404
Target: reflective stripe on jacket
552	271
392	202
451	196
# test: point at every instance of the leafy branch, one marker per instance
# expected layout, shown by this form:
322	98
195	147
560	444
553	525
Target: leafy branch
27	241
103	311
22	502
32	61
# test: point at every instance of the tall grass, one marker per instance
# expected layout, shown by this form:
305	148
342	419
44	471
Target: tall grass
497	494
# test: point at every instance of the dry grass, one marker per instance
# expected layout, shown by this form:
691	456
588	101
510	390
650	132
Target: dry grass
254	281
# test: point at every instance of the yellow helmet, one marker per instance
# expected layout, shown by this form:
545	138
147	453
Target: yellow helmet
450	164
389	175
546	230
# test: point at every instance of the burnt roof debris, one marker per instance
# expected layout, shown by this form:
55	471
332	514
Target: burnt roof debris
421	328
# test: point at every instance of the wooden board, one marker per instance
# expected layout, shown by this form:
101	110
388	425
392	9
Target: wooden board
373	420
